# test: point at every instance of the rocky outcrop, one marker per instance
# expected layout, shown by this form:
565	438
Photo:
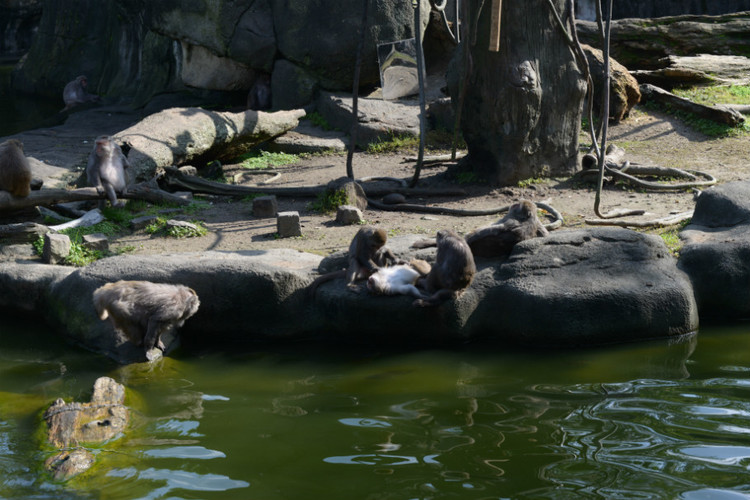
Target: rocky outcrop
18	24
623	88
73	425
131	50
716	253
579	287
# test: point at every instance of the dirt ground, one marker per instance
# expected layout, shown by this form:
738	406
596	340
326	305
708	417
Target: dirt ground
649	138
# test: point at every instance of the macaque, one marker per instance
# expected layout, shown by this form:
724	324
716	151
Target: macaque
75	93
259	97
142	311
453	271
521	223
106	169
15	171
367	254
399	279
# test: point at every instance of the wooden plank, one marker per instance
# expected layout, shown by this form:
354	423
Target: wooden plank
497	7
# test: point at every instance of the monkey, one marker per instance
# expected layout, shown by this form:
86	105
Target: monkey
367	253
106	169
259	97
15	170
520	223
75	93
399	279
142	310
453	271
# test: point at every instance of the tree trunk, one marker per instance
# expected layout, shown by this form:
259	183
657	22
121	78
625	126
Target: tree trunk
522	110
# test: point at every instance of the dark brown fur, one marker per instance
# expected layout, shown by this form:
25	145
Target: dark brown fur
452	272
142	310
259	97
367	253
521	223
106	169
15	171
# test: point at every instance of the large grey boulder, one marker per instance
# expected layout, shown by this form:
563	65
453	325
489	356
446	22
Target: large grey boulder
244	296
716	251
584	287
581	287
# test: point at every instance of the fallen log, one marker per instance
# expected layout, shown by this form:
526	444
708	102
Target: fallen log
176	179
147	191
720	114
178	136
643	43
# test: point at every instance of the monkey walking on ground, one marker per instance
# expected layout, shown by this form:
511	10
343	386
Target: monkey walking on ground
142	311
520	223
367	254
453	271
75	93
399	279
106	169
15	170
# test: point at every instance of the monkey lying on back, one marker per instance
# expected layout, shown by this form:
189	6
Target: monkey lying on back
367	253
399	279
142	311
520	223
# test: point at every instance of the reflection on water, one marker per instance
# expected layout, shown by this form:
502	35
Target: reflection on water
651	421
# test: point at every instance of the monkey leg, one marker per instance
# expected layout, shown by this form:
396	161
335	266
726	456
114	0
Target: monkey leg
436	298
153	334
112	195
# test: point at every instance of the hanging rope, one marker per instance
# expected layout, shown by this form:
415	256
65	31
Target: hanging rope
355	94
416	4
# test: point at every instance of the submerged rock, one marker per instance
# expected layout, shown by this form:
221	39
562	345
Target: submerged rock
75	424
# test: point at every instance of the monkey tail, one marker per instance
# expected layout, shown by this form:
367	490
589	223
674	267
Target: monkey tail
324	278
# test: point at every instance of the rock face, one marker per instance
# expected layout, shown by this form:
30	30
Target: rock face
623	88
18	23
200	44
75	424
579	287
716	254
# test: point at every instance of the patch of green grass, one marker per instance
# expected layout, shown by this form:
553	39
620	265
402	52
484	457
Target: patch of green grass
159	226
259	160
717	94
318	120
707	127
671	237
395	144
328	201
530	182
468	178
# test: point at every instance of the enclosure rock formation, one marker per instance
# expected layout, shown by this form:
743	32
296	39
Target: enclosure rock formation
218	45
716	254
580	287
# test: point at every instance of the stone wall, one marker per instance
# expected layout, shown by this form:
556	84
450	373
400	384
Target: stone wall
132	49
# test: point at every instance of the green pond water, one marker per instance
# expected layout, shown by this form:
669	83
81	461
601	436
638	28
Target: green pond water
302	421
20	112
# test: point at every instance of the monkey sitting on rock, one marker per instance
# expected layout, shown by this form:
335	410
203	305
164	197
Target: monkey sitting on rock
15	171
452	273
367	254
497	240
75	93
142	311
105	170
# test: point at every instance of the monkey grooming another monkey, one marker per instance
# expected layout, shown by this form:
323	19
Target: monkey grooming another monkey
15	171
453	271
520	223
106	169
399	279
367	253
75	93
142	311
